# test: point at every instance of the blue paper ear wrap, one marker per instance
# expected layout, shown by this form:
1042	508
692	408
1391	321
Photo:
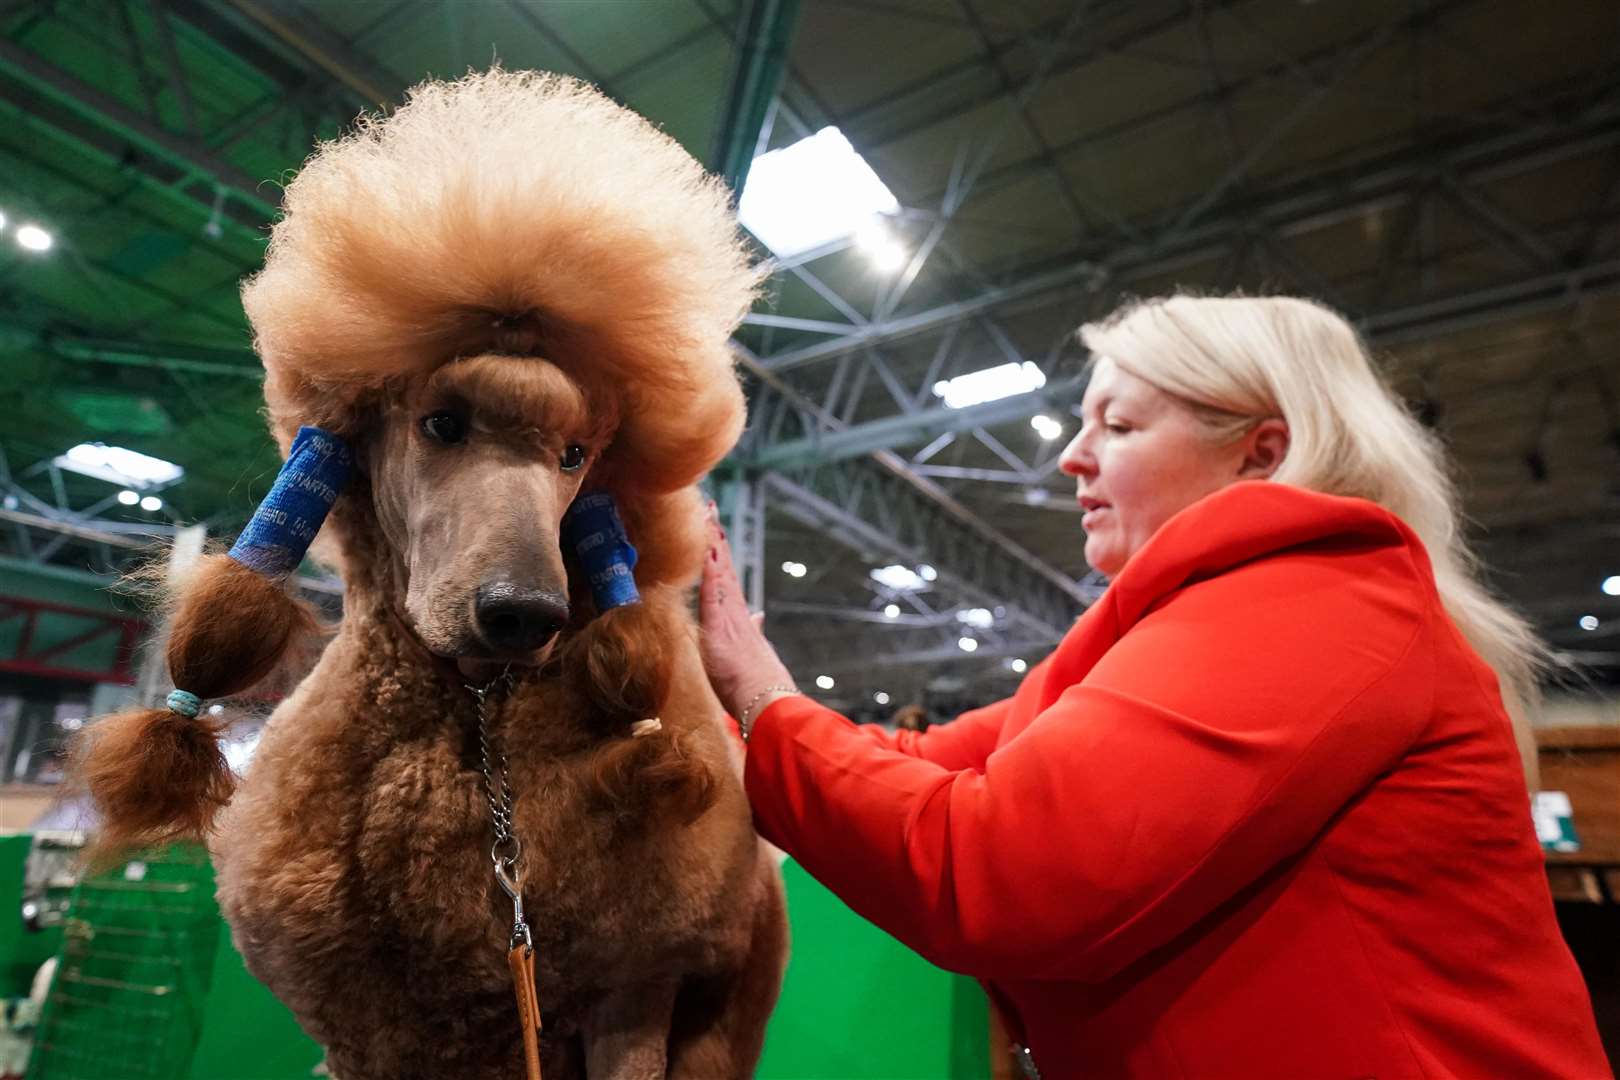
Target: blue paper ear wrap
285	524
591	529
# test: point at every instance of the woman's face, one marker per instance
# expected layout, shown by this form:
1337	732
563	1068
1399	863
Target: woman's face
1141	456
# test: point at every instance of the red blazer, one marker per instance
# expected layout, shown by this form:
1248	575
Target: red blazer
1259	815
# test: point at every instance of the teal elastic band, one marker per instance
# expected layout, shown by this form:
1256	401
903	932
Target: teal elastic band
184	702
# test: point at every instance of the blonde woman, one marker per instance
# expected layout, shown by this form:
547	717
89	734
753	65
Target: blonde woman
1263	812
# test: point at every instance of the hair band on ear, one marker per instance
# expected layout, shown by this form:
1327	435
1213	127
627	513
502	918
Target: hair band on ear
285	524
592	530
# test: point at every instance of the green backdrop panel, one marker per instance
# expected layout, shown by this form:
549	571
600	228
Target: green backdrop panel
858	1005
247	1034
22	951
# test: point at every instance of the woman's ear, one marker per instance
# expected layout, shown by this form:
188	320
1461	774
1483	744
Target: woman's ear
1264	448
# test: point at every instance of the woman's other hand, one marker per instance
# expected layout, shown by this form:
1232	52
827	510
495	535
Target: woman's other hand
741	664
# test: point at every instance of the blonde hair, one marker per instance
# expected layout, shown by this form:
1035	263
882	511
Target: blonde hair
1238	360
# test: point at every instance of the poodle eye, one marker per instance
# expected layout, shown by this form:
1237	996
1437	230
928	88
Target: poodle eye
573	456
444	427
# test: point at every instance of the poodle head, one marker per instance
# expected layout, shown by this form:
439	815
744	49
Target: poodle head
518	222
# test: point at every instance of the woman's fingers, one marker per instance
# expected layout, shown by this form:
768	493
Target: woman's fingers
724	611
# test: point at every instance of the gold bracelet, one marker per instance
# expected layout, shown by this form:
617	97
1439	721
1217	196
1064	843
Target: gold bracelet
743	723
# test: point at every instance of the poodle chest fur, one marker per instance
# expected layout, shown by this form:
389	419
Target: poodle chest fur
354	868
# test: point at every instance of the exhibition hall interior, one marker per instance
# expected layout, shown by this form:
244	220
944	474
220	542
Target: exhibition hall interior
792	290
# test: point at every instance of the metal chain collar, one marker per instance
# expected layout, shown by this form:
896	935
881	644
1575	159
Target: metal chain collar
506	848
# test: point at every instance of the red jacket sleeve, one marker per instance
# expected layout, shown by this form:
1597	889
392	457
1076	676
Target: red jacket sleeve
964	743
1214	739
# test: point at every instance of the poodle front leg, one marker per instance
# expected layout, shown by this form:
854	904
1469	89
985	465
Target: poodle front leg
626	1034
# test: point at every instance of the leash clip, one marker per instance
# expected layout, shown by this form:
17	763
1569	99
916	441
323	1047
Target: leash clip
513	888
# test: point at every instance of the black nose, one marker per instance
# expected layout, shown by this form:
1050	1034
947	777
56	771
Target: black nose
513	618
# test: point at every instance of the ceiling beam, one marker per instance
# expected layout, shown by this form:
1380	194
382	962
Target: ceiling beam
301	29
195	160
200	360
759	62
905	429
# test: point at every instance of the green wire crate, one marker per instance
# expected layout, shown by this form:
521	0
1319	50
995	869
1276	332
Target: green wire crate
132	977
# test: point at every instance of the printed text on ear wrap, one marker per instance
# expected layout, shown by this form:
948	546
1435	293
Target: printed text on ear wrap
593	531
285	524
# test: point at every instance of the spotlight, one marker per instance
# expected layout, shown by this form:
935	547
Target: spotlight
1019	666
1611	585
128	498
966	644
881	698
1589	622
152	503
1046	427
33	238
891	611
826	682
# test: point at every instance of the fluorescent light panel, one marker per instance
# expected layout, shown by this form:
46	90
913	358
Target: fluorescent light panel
989	384
116	465
811	193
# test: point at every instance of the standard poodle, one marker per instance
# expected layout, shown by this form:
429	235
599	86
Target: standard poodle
507	299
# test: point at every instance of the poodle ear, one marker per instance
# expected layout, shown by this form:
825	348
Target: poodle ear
625	662
653	776
157	775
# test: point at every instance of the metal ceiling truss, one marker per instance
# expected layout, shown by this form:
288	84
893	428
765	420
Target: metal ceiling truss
40	525
811	444
1281	214
882	515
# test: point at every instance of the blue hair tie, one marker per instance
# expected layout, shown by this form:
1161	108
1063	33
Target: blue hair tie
284	525
592	530
184	702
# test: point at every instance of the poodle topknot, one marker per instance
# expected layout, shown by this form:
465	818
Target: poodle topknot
511	199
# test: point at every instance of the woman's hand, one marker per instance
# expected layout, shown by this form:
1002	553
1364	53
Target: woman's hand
741	664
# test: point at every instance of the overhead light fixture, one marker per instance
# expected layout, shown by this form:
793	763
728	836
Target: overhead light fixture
1611	585
880	245
989	384
897	577
979	618
116	465
1036	496
2	221
128	497
1589	622
966	644
33	238
826	682
881	698
811	193
794	569
1019	665
1046	427
151	504
891	611
926	572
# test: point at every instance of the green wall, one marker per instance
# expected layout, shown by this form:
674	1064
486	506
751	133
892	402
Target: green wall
22	951
858	1005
